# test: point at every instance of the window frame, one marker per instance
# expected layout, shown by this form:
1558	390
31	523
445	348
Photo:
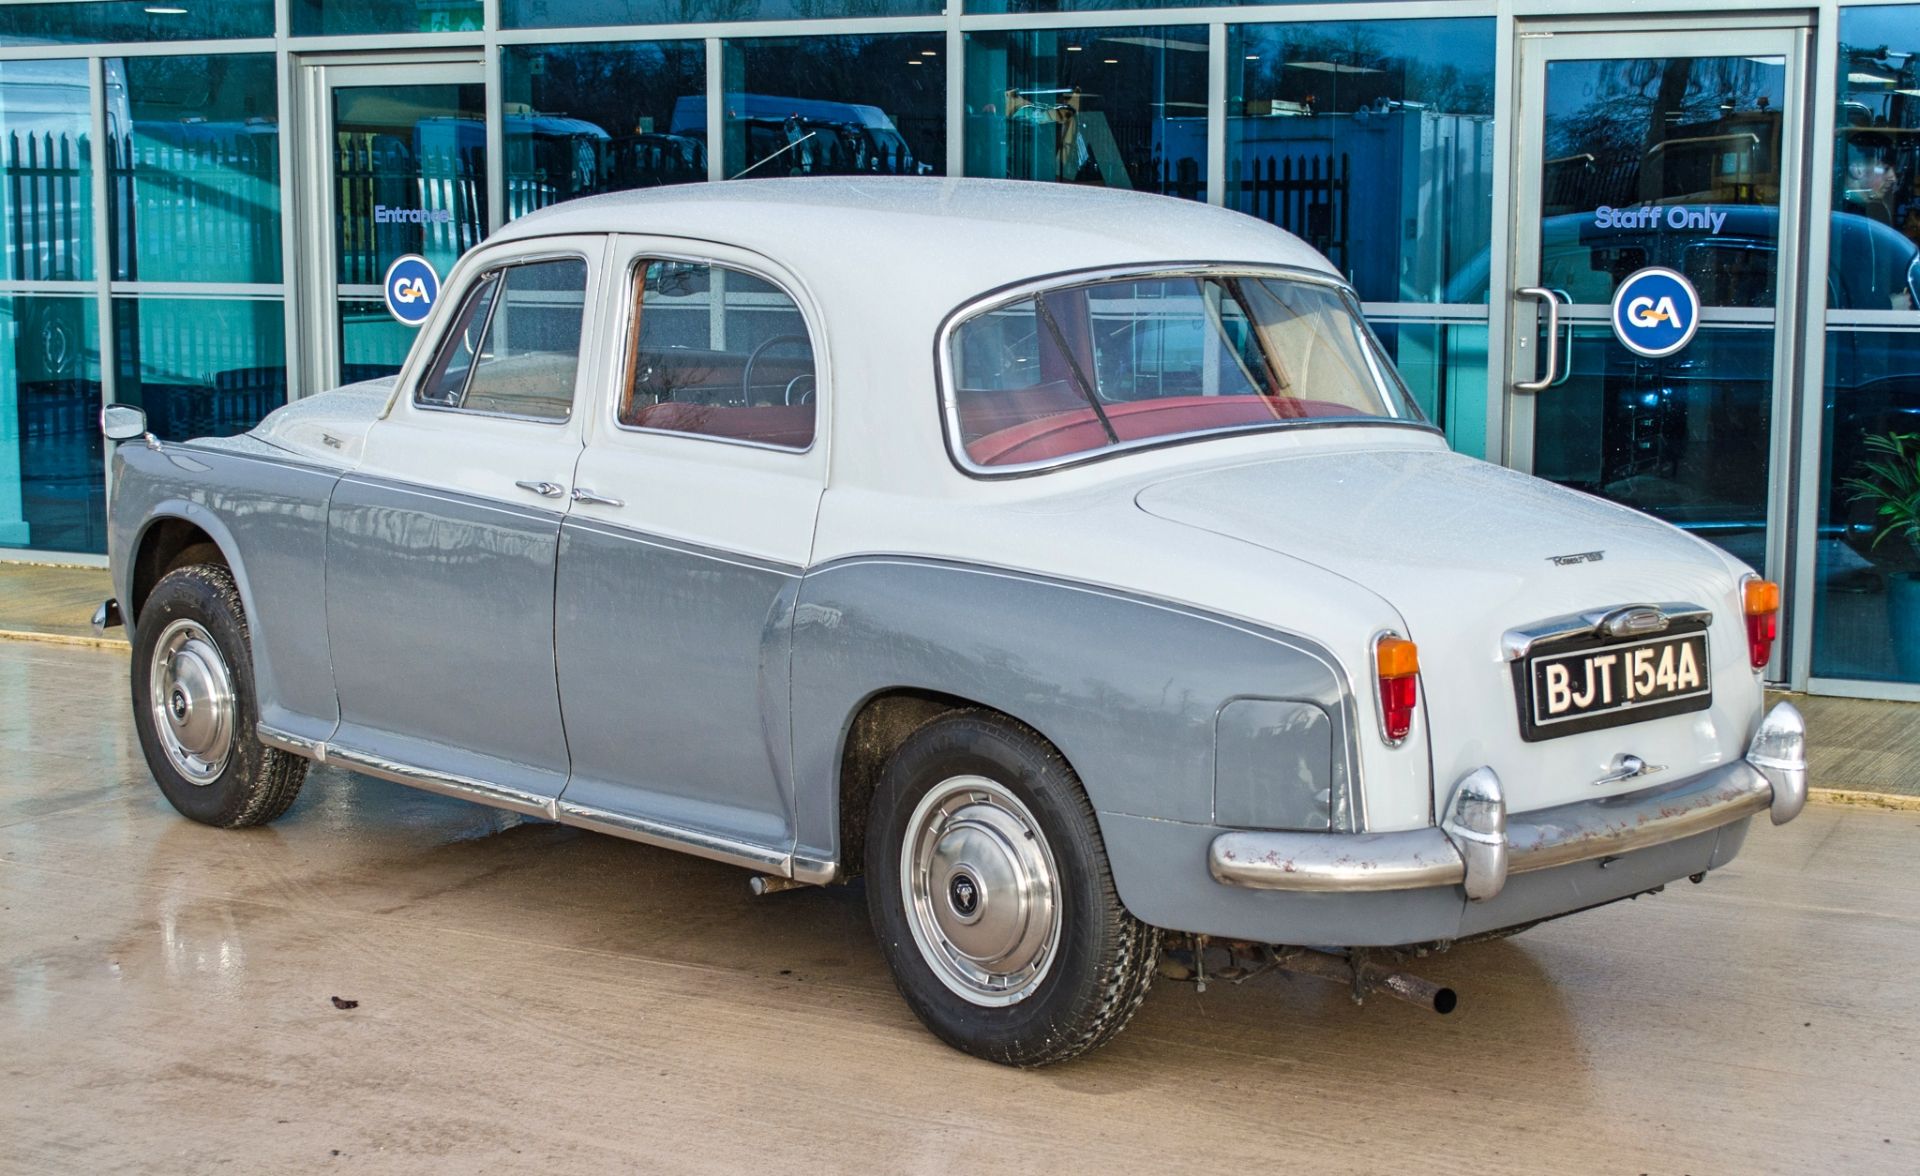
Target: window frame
633	305
1375	353
449	337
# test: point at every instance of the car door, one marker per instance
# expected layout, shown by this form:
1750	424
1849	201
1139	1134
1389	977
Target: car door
693	515
441	545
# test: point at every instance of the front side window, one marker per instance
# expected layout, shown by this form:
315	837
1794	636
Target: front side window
719	353
515	348
1090	367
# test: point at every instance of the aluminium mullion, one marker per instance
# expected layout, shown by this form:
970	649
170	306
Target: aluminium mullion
101	183
69	51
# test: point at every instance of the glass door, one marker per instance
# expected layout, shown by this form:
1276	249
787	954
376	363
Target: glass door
397	157
1676	151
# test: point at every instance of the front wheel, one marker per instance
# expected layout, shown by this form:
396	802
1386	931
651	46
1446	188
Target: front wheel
194	704
989	889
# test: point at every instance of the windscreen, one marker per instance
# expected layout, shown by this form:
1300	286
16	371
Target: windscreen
1089	367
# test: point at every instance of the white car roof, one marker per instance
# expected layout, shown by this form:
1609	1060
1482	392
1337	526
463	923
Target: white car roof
930	240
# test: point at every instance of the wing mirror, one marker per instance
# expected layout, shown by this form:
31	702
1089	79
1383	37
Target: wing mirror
122	422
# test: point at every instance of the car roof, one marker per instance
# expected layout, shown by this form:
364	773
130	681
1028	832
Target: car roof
936	241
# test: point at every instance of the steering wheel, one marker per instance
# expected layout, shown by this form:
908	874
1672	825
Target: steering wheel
753	357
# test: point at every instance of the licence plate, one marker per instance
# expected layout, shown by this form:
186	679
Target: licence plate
1609	685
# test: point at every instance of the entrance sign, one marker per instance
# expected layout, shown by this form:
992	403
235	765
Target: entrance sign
411	287
1655	312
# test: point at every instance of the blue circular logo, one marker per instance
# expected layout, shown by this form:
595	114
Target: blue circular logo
1655	312
411	289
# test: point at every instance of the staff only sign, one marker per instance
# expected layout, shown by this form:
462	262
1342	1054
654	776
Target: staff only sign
1655	312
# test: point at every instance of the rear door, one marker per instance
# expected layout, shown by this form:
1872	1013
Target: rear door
693	516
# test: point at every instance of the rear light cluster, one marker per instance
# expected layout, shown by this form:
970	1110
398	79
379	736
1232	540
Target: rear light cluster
1760	600
1396	667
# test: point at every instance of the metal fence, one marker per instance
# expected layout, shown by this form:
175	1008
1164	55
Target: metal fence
1307	195
49	206
445	185
213	200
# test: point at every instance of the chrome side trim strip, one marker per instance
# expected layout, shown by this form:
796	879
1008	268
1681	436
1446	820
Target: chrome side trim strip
287	741
707	845
445	783
712	846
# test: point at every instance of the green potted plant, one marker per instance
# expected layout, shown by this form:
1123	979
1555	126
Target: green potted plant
1891	484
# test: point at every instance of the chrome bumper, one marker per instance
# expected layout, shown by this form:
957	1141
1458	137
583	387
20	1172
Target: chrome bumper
1478	843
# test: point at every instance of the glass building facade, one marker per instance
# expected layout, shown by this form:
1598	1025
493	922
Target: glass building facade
199	199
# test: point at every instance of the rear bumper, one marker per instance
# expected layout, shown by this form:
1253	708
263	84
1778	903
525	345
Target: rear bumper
1478	843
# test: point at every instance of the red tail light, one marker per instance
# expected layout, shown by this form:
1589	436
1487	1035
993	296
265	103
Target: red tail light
1761	599
1396	666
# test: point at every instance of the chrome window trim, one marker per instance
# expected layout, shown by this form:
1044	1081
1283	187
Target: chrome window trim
630	351
467	290
1007	295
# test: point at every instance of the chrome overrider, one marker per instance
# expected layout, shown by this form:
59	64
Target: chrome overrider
1478	843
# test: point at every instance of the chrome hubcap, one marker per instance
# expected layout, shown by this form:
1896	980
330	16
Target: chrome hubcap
191	693
981	891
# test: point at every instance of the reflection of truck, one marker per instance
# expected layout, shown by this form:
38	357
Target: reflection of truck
772	136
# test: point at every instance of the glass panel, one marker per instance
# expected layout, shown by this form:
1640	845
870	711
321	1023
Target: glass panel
818	106
1086	367
1378	132
52	471
589	118
517	349
410	170
1876	201
46	190
1685	438
1669	161
1867	575
201	367
744	373
321	18
1444	365
1126	108
372	342
135	20
196	173
547	14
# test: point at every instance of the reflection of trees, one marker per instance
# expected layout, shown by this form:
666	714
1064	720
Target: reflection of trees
1633	105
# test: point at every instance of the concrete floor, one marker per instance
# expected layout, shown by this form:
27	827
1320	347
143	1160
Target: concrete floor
533	998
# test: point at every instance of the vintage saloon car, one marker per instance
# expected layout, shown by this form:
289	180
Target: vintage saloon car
1070	563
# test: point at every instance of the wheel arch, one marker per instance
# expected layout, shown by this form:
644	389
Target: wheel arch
873	731
174	535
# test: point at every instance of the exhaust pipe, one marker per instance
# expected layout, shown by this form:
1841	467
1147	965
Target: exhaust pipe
1364	976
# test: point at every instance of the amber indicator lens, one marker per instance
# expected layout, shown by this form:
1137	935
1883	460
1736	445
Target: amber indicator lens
1762	602
1396	665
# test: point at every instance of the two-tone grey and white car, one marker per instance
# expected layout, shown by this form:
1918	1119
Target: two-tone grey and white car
1071	564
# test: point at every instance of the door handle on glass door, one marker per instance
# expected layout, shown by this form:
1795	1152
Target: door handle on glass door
1552	332
543	489
588	496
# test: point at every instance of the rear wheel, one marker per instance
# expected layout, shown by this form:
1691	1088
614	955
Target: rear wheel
988	886
194	705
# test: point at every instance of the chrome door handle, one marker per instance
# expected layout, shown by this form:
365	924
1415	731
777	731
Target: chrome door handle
1553	339
543	489
589	496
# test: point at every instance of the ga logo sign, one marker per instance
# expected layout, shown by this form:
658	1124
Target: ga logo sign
1655	312
411	288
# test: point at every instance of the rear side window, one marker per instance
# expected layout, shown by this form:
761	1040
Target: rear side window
515	348
1090	367
719	353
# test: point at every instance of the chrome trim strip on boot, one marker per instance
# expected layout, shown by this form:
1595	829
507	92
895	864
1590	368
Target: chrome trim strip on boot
1479	843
